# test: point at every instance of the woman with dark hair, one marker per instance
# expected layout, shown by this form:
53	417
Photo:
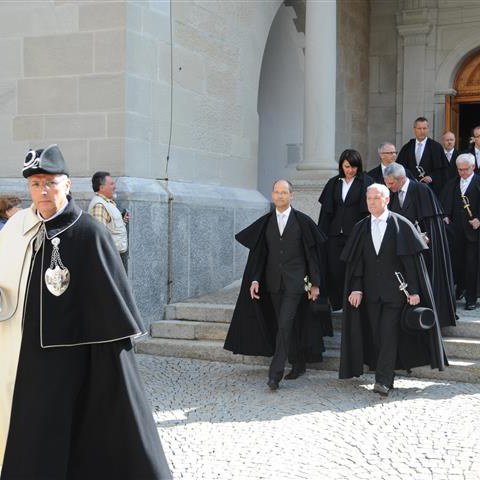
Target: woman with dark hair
343	204
9	205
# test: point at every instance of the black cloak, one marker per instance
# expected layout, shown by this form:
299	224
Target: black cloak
414	349
253	328
377	175
422	205
79	409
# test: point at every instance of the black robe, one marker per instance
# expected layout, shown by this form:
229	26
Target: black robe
414	349
376	174
79	409
433	161
421	205
253	328
336	221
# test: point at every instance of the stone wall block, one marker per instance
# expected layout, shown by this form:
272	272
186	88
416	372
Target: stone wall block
141	56
8	97
47	95
15	21
109	51
156	25
107	154
29	127
100	93
139	95
221	83
75	126
102	15
189	70
58	55
64	20
115	124
11	55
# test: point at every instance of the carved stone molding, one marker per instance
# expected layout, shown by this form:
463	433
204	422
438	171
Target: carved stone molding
414	34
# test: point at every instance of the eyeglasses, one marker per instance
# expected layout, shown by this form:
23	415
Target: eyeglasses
388	153
44	185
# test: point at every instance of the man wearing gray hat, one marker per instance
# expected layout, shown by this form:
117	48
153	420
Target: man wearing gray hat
71	401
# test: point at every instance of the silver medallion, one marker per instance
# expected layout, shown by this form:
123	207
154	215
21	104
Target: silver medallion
57	277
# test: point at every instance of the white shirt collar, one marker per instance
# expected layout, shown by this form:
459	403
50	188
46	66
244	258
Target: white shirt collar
286	212
405	185
383	217
467	180
53	216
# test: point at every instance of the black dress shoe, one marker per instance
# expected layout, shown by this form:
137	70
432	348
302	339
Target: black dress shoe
459	294
272	384
295	372
470	306
381	389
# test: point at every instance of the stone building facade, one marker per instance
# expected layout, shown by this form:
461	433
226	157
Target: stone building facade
197	106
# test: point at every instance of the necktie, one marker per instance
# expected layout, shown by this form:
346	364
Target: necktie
376	235
463	186
281	223
449	156
401	197
418	153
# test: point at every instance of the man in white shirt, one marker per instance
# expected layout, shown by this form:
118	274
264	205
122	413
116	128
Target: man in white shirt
284	271
461	204
474	148
382	248
425	157
448	142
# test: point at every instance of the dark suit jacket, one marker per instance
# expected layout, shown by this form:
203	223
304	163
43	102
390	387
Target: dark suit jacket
433	161
338	216
452	170
286	264
374	274
454	207
471	149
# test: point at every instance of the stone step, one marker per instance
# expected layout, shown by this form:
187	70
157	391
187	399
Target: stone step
189	330
467	326
460	369
462	347
200	312
196	330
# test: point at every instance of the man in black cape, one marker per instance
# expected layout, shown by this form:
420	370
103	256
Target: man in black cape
273	315
387	154
381	245
474	148
418	203
451	153
78	409
425	158
461	204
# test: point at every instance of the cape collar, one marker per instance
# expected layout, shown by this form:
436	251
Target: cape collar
57	225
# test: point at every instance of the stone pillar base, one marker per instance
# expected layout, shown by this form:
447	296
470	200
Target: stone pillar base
308	185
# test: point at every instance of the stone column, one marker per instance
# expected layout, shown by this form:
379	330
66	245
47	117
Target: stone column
414	26
320	81
318	163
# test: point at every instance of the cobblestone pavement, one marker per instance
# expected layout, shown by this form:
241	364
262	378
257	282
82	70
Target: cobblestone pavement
220	421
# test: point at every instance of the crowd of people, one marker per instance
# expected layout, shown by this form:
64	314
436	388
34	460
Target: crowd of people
395	247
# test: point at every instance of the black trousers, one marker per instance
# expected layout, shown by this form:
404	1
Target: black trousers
384	321
466	266
336	270
285	305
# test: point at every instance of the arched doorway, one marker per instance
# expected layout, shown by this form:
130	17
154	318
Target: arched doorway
462	111
281	97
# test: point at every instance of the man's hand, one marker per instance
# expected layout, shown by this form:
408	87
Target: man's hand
446	220
475	223
355	299
254	291
426	179
414	299
313	293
